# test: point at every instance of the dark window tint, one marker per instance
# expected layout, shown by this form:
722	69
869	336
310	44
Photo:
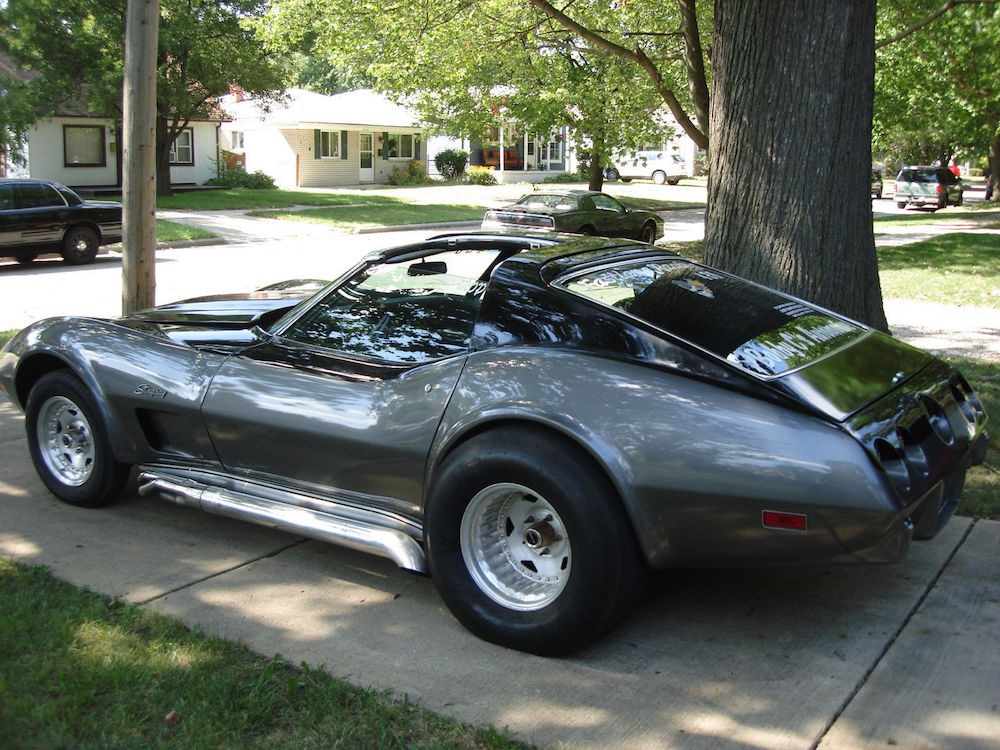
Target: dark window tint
756	329
6	197
38	195
412	311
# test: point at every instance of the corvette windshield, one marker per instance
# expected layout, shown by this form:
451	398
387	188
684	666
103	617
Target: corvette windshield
754	328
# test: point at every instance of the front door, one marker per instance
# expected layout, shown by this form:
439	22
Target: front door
367	155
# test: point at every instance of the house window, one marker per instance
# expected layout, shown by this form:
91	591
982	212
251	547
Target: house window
551	151
329	144
83	146
236	140
182	149
400	146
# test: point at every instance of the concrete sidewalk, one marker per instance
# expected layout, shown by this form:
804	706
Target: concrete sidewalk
852	657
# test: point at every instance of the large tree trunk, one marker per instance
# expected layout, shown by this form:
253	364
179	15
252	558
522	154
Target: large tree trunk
791	113
995	162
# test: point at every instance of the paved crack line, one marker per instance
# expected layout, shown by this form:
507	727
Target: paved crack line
931	585
230	569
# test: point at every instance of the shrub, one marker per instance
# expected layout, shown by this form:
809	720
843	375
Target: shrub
451	163
414	174
567	177
237	177
480	176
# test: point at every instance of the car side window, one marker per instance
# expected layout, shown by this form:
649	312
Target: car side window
6	197
604	203
415	310
38	195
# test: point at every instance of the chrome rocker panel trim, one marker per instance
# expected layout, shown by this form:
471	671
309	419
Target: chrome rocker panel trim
379	533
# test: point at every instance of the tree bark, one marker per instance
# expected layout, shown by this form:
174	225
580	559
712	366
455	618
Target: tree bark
596	181
791	113
139	178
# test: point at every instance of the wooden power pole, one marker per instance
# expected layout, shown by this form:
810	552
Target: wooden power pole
139	178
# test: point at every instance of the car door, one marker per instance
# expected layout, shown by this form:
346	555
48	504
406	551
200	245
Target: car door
43	214
10	230
348	396
612	218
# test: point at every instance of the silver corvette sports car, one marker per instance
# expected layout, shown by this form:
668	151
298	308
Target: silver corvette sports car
534	421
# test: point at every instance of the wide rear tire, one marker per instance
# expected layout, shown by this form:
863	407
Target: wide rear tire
528	542
68	442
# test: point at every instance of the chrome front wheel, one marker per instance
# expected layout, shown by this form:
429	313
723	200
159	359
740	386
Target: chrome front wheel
66	441
516	547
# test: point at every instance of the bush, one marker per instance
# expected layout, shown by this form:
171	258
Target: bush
480	176
567	177
238	177
414	174
451	163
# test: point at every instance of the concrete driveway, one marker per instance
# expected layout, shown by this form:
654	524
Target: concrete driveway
902	655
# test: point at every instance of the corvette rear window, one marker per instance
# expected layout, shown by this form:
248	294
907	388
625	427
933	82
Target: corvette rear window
761	331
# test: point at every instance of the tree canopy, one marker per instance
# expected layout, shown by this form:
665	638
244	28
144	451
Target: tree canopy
75	50
937	88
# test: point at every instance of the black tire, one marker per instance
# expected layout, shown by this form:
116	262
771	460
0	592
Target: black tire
626	179
68	442
611	174
900	204
878	195
590	537
648	234
961	199
80	246
659	177
588	230
673	181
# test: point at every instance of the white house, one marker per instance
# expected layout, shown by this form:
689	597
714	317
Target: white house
314	140
85	151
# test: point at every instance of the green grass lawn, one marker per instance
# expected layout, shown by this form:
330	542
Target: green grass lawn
958	268
929	217
84	671
172	231
241	198
359	217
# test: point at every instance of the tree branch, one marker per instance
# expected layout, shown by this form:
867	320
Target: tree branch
929	19
639	58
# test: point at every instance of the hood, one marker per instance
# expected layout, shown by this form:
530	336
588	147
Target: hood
235	311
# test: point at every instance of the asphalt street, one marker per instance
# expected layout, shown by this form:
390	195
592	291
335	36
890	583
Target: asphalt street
842	658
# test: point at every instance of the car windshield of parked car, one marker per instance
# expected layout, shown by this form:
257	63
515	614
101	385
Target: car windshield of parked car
413	310
553	202
758	330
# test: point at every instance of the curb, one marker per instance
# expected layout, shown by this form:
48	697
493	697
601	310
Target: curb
412	227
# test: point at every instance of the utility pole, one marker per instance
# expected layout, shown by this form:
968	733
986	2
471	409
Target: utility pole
139	178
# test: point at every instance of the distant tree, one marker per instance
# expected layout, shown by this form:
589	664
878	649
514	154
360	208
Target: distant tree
76	49
498	64
937	87
315	73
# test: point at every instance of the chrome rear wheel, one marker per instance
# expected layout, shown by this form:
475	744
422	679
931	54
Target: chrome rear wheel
515	547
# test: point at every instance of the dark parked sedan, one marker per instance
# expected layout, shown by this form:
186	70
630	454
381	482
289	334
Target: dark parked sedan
534	420
577	211
38	216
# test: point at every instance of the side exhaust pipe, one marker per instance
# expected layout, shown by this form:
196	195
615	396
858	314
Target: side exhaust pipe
401	548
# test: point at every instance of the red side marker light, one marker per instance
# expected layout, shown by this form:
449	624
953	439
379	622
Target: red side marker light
773	519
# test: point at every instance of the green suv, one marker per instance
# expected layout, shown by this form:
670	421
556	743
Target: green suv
928	187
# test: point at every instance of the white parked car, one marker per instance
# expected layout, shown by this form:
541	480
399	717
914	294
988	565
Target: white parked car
656	165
